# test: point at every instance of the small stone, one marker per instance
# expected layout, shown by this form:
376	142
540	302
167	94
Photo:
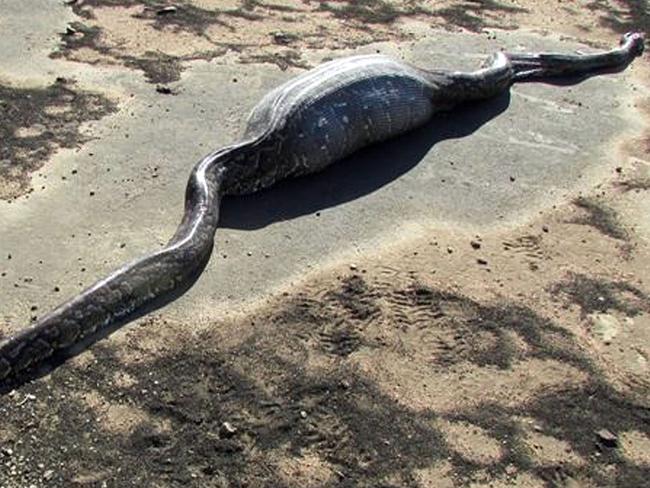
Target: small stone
165	90
249	254
619	169
166	10
353	267
475	244
544	228
482	262
511	470
227	430
450	250
607	438
303	414
283	37
70	31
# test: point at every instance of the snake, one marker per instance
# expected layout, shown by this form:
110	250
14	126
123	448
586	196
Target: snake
302	126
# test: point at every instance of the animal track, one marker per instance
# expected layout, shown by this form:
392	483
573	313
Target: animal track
340	340
438	327
528	246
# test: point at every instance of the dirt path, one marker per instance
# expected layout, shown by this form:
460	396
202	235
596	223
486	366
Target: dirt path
513	356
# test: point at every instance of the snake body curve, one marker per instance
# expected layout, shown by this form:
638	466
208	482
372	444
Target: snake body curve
300	127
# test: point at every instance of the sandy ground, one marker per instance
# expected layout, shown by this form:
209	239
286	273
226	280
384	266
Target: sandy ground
503	342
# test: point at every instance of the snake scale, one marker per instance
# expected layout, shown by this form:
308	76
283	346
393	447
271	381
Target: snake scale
300	127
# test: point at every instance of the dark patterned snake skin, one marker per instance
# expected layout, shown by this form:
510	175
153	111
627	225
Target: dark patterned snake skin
301	127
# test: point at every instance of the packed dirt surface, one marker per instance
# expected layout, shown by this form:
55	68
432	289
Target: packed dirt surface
283	31
481	357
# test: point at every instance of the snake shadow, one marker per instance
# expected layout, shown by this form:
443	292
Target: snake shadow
360	174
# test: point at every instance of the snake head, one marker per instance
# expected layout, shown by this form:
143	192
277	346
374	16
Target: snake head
634	41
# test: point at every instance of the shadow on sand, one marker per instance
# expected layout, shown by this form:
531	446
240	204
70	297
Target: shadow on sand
358	175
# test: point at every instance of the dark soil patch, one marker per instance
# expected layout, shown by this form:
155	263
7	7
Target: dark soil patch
337	414
599	295
184	17
357	298
624	15
35	122
78	35
573	415
482	334
157	67
276	408
600	217
473	14
366	11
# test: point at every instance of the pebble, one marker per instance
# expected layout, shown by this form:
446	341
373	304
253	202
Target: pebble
353	267
165	90
607	438
282	37
227	430
475	244
166	10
